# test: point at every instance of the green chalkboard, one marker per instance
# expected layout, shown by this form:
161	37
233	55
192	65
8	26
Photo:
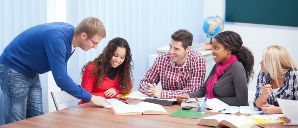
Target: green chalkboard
270	12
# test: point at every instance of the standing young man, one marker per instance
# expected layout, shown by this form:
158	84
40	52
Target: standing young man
39	49
179	71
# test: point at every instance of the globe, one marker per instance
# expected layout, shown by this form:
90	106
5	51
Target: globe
212	26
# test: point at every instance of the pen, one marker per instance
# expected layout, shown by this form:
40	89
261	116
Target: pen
201	108
222	110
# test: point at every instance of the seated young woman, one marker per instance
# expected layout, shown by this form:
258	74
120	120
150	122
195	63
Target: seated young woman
109	75
277	79
228	79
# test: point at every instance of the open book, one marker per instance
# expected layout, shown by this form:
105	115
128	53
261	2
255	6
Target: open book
231	121
137	95
216	105
140	96
121	108
249	110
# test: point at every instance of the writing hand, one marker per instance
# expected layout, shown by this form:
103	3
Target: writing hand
110	92
182	97
266	90
153	90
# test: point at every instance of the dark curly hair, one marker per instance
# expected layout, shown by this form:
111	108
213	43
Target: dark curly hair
124	70
232	41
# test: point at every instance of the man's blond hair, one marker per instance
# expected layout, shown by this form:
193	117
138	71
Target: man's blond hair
91	26
277	61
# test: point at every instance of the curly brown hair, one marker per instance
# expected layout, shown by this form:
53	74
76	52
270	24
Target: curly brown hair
124	71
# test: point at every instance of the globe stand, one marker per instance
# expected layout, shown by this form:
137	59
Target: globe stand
207	45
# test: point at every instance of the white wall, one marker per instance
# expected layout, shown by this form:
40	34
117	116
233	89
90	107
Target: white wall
146	24
257	37
56	12
16	16
142	23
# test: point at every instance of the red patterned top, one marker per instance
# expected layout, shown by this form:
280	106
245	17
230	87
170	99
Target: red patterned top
89	82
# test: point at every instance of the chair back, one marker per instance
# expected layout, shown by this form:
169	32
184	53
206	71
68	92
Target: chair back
63	100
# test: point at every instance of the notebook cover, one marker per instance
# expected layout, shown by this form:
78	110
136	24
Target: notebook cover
159	101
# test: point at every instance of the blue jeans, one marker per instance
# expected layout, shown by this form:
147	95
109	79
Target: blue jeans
1	108
21	93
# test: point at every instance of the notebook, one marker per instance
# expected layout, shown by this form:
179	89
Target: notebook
120	108
137	95
231	121
164	102
263	119
289	109
187	114
216	105
249	110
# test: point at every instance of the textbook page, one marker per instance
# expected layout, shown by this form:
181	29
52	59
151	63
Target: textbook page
151	108
137	95
228	120
216	105
121	108
249	110
238	121
231	110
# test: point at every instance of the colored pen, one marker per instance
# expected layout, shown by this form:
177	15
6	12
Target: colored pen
201	107
222	110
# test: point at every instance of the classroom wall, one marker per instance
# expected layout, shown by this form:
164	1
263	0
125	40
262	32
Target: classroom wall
145	24
256	37
16	16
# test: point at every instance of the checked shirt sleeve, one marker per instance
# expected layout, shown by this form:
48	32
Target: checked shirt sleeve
152	75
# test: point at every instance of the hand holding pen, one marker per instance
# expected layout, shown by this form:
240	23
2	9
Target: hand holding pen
152	90
182	98
266	90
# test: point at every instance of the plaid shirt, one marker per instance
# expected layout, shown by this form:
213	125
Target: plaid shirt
176	80
289	89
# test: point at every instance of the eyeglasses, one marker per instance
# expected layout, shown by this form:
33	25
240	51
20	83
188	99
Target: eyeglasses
94	43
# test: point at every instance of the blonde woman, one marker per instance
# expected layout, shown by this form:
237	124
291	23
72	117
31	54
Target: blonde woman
277	79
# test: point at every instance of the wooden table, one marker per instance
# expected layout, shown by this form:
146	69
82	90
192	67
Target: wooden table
91	116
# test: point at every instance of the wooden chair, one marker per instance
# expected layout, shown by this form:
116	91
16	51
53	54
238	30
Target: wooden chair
63	100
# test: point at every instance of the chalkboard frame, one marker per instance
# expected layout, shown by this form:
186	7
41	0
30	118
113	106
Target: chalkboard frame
268	12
